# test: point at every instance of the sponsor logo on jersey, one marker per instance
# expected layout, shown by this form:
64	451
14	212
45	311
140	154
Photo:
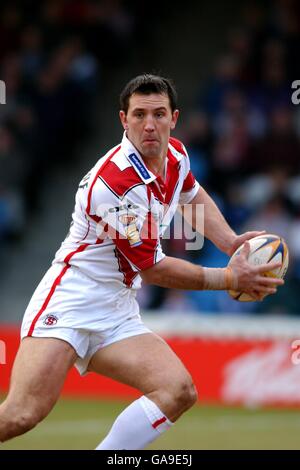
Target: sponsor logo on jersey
139	166
123	207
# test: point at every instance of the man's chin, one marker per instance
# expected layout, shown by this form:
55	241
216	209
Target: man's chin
150	150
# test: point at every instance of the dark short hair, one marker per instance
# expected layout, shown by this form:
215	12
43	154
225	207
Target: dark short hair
146	84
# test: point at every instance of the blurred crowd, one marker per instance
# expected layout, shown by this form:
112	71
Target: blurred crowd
50	80
52	57
243	138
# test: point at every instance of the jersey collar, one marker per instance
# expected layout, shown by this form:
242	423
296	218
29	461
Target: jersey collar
136	161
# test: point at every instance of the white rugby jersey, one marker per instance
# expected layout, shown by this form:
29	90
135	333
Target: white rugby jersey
121	212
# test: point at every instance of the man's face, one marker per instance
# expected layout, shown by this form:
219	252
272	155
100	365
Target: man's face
148	123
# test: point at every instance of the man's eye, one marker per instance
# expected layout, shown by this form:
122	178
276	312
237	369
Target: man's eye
139	115
159	115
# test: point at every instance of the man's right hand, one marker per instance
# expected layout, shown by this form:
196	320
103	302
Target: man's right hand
250	279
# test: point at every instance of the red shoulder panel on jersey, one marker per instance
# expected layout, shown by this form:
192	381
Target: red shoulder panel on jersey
177	145
189	182
88	208
118	181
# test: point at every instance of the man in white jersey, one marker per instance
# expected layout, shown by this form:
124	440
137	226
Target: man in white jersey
84	310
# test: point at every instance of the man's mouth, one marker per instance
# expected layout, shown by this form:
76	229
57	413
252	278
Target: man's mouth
150	140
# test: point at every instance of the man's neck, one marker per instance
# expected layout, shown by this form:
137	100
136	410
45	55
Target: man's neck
156	165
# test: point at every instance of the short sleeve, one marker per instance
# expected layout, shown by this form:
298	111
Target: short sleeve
190	186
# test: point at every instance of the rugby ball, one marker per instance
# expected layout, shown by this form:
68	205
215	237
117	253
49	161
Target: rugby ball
263	249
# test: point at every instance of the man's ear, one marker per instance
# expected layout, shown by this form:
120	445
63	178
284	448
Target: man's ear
174	119
123	119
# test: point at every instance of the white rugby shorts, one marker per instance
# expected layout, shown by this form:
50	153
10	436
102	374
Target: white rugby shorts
87	314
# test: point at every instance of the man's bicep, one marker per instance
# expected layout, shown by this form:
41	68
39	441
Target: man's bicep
152	274
189	189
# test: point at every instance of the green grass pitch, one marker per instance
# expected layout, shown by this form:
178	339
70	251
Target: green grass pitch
81	424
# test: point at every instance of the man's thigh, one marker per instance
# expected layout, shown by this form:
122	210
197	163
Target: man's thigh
145	362
39	371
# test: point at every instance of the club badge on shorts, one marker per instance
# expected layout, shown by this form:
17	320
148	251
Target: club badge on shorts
50	320
131	230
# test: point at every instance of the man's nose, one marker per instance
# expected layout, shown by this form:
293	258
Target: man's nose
149	124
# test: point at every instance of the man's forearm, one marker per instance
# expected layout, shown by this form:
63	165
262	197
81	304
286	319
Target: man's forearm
216	228
177	273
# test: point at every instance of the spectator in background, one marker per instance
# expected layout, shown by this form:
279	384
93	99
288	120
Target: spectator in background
279	148
12	178
197	135
271	89
294	243
31	52
226	76
273	216
51	81
10	21
232	140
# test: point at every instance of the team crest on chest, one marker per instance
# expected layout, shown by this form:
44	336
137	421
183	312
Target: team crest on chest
131	230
